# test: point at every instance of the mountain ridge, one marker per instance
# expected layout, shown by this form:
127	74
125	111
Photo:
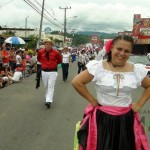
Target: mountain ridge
102	35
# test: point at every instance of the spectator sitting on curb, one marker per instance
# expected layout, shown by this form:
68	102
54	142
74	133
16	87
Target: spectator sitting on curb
3	81
17	75
4	78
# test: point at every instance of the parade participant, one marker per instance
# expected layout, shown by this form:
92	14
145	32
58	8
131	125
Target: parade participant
49	59
73	56
82	60
111	120
66	59
38	70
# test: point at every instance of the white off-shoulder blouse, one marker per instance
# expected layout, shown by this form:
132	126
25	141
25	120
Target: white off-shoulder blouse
114	88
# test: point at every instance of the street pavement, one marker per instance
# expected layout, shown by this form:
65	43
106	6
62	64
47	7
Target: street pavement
26	124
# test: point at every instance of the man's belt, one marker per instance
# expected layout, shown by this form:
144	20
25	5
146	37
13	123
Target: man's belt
49	70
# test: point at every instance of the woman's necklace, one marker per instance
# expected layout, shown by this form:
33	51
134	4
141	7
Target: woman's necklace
117	65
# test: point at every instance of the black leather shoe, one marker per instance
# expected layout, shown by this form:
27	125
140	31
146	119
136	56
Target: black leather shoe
48	104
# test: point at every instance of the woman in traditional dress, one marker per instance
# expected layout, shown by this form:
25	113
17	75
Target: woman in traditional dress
111	120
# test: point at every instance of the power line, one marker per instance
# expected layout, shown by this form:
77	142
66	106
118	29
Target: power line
54	18
6	3
37	10
44	8
48	12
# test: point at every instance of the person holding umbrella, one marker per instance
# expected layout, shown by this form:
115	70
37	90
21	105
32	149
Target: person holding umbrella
49	59
15	40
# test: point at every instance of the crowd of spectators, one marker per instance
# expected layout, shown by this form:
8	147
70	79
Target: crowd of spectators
15	64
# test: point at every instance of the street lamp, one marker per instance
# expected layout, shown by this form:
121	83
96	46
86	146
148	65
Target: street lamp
71	17
26	25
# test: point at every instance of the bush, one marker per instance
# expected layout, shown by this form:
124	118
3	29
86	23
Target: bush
31	52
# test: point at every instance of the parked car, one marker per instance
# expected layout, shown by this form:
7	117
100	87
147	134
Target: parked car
141	59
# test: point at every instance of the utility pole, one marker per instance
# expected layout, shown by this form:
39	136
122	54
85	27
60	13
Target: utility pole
41	22
26	26
65	22
73	30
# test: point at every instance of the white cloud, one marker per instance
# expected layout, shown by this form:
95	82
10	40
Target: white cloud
96	15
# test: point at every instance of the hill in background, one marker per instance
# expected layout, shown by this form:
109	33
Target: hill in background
102	35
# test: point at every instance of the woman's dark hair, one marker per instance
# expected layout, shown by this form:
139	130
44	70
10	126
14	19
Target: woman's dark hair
120	37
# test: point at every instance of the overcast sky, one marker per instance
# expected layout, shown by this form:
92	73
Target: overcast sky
109	16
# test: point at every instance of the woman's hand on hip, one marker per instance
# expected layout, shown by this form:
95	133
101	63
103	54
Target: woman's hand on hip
95	103
136	107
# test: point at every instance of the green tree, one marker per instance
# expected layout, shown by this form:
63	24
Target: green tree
8	33
79	39
31	41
